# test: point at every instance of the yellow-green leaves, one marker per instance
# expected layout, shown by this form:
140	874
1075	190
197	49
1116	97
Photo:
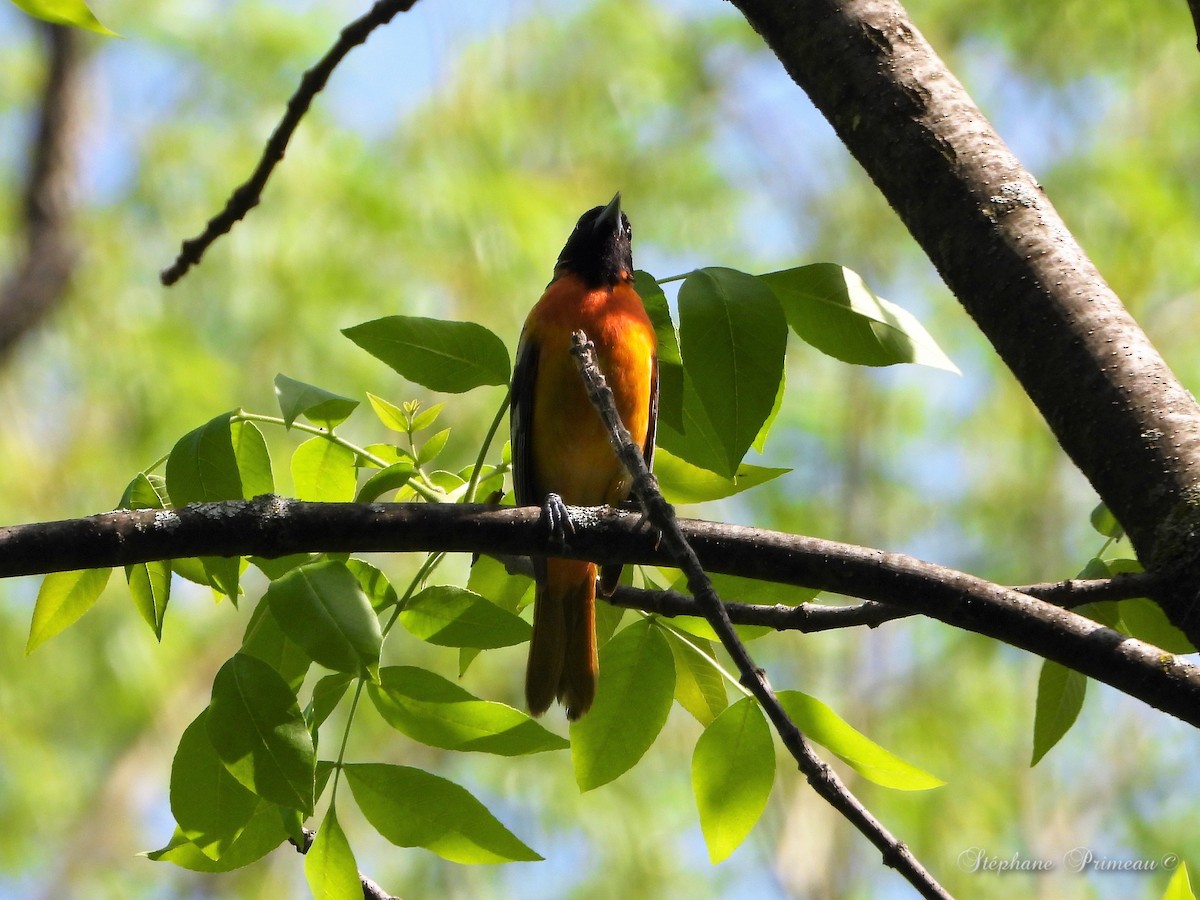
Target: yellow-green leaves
65	12
1060	696
318	405
681	482
733	768
412	808
821	724
61	600
637	685
832	308
441	355
329	865
324	471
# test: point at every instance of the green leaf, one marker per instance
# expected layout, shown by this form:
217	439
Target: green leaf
378	589
262	834
733	769
280	565
1105	522
203	467
694	439
1059	700
329	865
319	406
670	363
440	355
428	708
832	308
259	733
144	492
683	483
490	579
412	808
426	418
61	600
760	439
1180	885
636	689
822	725
323	608
699	685
150	588
211	807
733	335
326	695
452	617
392	478
323	470
265	640
65	12
253	460
391	415
1144	619
433	447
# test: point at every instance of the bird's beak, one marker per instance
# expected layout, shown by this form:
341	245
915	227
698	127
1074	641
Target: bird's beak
610	216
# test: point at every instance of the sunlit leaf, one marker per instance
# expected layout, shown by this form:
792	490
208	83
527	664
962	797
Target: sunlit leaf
1180	885
253	460
699	685
65	12
437	712
1105	522
682	483
61	600
324	471
258	731
265	640
822	725
441	355
262	834
326	695
733	769
391	415
412	808
432	448
832	308
319	406
150	588
633	697
1144	619
378	589
329	865
452	617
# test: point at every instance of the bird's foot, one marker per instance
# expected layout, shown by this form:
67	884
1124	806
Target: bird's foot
557	519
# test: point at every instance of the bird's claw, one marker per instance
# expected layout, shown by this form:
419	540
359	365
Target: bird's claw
557	519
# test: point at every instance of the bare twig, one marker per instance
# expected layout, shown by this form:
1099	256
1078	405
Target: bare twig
248	195
661	515
41	278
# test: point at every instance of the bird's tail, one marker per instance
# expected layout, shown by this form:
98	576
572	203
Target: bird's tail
562	651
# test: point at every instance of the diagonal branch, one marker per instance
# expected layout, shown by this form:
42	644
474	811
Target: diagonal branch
1001	247
248	194
271	526
661	516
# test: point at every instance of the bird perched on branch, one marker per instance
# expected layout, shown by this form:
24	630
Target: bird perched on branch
560	449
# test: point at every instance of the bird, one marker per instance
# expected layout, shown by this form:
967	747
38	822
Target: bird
560	448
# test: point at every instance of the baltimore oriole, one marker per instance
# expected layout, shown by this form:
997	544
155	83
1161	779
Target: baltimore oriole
560	450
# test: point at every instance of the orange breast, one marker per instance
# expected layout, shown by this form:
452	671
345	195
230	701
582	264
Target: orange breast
571	452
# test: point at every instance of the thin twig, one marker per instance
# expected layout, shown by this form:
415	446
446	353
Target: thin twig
661	516
248	195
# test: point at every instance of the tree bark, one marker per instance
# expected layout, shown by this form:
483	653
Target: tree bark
1107	395
40	280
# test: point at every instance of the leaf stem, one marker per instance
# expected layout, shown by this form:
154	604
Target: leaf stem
473	483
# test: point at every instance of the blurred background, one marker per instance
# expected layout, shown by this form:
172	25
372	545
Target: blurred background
439	174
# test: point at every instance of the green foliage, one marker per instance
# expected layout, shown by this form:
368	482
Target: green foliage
733	768
61	600
1180	886
329	864
442	356
64	12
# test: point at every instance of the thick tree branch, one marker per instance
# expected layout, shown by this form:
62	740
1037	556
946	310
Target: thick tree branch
247	195
40	280
274	526
1110	399
661	516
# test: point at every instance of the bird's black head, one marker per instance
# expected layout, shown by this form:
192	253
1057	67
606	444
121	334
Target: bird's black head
599	250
